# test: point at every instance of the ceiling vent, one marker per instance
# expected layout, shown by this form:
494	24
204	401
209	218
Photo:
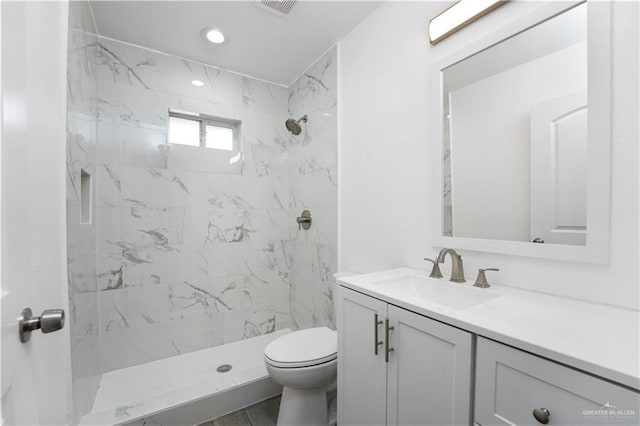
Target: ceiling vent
278	7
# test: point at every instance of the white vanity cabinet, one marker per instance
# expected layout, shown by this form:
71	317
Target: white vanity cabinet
513	387
419	372
511	358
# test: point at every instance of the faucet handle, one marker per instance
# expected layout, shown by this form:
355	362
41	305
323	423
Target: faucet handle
435	272
481	280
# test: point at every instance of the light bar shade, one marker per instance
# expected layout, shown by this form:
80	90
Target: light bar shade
459	15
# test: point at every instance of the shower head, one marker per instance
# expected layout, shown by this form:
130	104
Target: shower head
293	126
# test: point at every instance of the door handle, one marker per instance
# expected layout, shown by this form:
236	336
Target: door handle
51	320
376	323
387	349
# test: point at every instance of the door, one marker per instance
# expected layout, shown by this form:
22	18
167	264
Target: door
558	170
361	371
36	374
429	373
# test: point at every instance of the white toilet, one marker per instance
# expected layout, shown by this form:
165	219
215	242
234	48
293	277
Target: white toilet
304	363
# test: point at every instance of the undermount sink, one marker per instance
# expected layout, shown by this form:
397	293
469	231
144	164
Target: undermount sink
440	291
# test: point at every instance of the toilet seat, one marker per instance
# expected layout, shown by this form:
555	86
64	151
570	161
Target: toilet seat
299	364
303	348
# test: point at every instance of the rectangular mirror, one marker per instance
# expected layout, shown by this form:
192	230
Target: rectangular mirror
521	119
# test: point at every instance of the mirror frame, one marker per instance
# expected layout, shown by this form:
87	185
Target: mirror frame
599	73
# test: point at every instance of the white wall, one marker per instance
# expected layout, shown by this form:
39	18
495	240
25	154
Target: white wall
385	188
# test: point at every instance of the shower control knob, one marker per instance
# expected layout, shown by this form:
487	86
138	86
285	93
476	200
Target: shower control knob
304	220
51	320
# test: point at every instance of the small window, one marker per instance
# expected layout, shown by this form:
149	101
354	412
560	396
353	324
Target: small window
183	131
219	137
202	130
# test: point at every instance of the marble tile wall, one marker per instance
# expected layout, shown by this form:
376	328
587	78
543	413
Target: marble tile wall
313	175
192	250
189	248
81	238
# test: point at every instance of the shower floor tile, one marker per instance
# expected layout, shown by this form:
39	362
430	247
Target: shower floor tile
144	390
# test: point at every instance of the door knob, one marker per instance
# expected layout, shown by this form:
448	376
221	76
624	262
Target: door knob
51	320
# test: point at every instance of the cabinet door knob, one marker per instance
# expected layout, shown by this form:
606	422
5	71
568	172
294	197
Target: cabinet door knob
541	415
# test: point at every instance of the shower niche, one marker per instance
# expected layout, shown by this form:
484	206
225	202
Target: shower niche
85	197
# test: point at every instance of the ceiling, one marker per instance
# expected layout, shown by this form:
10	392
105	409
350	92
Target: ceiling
259	43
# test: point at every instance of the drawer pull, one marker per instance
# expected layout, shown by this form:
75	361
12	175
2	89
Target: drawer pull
387	349
541	415
376	342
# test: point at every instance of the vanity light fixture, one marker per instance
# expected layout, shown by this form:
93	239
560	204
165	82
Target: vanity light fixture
197	83
458	16
213	35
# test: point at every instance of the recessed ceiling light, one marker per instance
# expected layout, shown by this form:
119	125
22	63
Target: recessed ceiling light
197	83
214	36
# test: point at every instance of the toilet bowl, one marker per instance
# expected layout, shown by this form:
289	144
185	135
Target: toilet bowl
304	363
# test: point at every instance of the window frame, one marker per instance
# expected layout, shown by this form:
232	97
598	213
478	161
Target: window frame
204	120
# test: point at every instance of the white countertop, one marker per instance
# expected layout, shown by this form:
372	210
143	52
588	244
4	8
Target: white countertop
599	339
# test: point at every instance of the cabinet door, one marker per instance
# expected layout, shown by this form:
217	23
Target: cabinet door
429	373
361	373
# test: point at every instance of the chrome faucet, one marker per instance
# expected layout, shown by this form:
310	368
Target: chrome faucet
457	272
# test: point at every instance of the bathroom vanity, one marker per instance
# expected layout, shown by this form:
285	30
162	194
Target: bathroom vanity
418	350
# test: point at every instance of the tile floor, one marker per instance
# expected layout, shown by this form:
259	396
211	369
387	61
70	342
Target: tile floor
264	413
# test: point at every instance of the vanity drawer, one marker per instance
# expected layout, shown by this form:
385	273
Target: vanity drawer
511	384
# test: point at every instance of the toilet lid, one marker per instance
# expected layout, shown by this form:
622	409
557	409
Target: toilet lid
303	348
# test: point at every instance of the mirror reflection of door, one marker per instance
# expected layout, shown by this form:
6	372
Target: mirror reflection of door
558	170
515	137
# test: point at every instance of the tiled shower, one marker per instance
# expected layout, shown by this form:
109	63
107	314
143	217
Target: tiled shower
187	247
